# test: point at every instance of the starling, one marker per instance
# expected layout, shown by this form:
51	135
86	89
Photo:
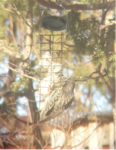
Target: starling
59	100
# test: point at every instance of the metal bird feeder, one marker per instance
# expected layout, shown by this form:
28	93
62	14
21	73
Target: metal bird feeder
51	51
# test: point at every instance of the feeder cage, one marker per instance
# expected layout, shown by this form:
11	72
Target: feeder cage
51	51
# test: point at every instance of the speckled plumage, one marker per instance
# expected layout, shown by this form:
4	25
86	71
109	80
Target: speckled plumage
59	100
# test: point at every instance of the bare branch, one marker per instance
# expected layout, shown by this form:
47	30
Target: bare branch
87	137
103	79
20	72
53	5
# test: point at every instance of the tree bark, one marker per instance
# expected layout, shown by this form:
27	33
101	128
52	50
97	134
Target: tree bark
34	118
39	142
114	118
53	5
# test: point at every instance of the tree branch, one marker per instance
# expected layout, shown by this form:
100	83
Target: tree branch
68	147
53	5
108	86
103	79
30	77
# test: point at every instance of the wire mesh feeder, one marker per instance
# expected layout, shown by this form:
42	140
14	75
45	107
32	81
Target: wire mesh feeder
51	52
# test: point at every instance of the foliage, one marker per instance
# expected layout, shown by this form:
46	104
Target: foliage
88	41
83	33
20	85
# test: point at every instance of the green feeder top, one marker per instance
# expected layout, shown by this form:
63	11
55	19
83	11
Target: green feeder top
53	23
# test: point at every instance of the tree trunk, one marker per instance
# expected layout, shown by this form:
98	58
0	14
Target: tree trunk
114	118
29	39
34	117
34	134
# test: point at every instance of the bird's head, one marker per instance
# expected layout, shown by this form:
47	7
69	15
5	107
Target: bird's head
69	85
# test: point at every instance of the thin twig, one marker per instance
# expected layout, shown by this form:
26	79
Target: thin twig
20	72
85	138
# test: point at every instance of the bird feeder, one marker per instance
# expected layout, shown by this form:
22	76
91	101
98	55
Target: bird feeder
51	51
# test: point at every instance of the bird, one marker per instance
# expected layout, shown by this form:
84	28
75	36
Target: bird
59	100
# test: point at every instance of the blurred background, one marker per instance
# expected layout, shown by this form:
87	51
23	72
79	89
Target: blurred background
85	51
